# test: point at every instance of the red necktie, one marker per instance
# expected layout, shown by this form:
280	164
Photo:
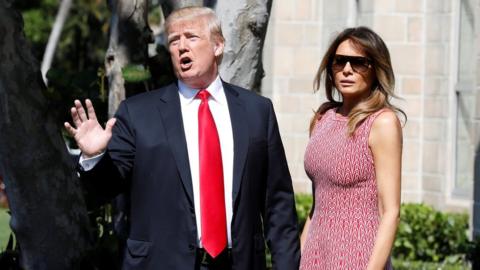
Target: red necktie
212	197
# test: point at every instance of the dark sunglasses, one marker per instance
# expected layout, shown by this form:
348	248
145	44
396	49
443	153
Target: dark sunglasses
358	63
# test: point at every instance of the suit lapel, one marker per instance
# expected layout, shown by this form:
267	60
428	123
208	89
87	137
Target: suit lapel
171	113
240	136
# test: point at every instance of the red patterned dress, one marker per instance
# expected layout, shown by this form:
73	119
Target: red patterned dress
345	221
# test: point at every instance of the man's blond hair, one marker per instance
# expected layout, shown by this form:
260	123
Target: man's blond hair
192	13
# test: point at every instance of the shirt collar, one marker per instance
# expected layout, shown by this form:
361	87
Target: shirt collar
215	90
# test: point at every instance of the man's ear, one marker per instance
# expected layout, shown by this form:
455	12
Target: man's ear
218	48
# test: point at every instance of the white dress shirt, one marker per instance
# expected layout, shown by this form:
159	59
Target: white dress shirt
219	108
221	114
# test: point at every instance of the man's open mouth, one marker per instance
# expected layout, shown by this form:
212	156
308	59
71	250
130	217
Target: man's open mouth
185	62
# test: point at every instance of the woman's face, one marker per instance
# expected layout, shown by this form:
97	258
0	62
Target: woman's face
353	71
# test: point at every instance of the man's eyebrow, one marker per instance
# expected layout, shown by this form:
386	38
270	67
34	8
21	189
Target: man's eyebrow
189	32
171	36
185	32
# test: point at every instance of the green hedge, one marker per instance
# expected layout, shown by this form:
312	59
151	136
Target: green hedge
419	265
425	234
4	228
303	203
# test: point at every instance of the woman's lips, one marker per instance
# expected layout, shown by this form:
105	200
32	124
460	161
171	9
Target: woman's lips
347	82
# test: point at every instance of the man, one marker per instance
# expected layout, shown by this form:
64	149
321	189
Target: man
202	160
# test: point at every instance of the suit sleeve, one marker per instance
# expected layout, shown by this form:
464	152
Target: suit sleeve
111	174
280	218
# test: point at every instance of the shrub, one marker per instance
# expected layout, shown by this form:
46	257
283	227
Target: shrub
425	234
419	265
303	204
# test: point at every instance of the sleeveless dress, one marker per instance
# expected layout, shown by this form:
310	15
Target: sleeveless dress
345	221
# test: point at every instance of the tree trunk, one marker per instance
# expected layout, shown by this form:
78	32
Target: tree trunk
54	37
244	24
49	216
170	5
129	37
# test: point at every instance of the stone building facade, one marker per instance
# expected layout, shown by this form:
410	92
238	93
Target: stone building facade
434	49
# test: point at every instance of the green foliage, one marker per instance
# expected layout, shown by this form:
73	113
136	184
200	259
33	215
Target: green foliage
84	36
135	74
303	204
38	24
9	248
419	265
76	70
4	227
155	15
66	86
425	234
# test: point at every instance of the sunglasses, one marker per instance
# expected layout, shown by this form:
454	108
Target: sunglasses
358	63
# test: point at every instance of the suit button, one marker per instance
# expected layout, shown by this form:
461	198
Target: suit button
191	246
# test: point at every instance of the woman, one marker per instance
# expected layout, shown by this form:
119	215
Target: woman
354	158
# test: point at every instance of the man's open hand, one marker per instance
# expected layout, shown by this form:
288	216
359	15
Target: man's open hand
91	138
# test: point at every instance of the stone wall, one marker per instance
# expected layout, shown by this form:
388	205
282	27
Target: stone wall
439	101
292	53
402	26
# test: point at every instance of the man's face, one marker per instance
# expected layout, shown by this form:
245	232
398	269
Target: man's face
193	51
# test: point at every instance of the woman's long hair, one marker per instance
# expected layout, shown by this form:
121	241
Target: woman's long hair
367	41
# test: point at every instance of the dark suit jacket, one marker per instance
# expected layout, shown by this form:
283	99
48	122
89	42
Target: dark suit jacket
147	156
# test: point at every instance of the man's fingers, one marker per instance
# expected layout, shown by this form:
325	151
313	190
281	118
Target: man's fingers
80	110
90	110
109	125
76	119
70	129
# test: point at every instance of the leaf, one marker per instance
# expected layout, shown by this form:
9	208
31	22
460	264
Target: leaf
135	73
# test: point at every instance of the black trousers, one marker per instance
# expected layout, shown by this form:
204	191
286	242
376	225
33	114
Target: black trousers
205	262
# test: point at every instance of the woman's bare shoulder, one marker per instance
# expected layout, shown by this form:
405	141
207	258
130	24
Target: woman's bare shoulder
386	128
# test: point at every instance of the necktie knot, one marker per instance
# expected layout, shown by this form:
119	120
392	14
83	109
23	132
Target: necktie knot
203	94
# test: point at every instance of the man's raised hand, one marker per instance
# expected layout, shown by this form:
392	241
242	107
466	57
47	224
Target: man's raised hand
91	138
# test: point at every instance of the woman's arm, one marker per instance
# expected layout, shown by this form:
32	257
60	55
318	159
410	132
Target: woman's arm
385	141
303	236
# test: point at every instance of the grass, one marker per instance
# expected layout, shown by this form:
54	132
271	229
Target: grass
4	228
